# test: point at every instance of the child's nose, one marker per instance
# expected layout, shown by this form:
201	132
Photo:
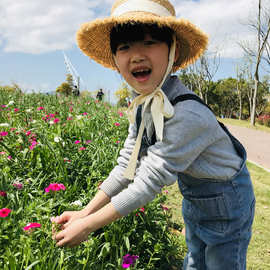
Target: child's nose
137	54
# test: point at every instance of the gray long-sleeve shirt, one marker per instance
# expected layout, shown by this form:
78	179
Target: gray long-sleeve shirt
193	143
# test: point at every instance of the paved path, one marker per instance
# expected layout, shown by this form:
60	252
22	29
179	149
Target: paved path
257	144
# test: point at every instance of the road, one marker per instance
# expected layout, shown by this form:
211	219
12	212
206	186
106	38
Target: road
257	144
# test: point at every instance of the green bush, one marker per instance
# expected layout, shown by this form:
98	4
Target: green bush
73	141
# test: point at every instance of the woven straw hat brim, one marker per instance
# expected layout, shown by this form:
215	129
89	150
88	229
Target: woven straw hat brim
94	37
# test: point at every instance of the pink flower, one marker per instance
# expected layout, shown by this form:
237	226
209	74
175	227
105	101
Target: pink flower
55	187
69	118
4	212
9	157
117	142
2	153
77	142
33	144
16	110
31	226
28	133
3	193
140	210
164	207
40	108
3	133
82	148
56	120
120	114
17	185
129	260
166	191
88	141
85	113
117	124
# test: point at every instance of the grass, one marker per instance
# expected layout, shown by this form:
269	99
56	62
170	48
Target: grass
259	248
244	123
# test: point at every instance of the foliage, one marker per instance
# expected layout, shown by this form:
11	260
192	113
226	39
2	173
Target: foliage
123	94
66	87
74	144
11	88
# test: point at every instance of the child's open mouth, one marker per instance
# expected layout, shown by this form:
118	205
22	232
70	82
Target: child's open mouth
142	74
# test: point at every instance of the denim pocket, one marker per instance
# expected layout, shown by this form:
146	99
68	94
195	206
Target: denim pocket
210	212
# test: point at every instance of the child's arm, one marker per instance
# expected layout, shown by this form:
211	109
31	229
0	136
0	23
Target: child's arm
94	205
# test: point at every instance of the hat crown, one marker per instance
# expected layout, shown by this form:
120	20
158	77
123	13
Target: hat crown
157	7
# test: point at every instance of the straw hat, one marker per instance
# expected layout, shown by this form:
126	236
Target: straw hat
94	37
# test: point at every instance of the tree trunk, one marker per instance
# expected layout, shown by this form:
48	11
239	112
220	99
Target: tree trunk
253	111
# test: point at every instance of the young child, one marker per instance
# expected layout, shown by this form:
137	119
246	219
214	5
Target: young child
172	137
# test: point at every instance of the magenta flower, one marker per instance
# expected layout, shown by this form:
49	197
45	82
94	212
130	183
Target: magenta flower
55	187
164	207
33	144
16	110
85	113
9	157
31	226
120	114
18	185
28	133
117	124
77	142
129	260
40	108
3	193
82	148
4	212
56	120
3	133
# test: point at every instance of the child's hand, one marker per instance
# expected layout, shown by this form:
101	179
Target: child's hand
61	222
73	233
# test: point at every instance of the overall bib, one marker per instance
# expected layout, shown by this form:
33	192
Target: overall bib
218	214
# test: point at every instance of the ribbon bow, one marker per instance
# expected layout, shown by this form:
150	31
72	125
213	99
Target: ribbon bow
160	108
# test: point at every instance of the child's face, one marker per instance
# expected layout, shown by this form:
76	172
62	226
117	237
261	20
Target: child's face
143	63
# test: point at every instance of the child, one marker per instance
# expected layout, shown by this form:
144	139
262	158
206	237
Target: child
172	137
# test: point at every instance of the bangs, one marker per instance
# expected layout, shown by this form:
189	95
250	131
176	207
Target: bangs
132	32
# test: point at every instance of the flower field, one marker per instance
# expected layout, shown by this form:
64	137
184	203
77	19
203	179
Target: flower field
54	153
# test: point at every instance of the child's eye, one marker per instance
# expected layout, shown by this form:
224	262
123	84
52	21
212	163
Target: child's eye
123	47
150	42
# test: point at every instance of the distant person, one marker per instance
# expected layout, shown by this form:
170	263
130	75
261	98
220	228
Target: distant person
173	137
100	95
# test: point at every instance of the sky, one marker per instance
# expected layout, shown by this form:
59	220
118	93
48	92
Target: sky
35	33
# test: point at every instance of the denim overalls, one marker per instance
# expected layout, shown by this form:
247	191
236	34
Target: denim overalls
218	215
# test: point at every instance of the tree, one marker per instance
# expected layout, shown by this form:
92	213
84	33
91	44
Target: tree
262	29
123	94
66	87
202	73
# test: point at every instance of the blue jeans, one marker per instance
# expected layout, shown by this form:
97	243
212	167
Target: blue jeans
218	219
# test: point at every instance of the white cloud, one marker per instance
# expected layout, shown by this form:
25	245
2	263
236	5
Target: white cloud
222	20
38	26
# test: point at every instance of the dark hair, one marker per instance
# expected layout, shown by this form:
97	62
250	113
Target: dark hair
132	32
